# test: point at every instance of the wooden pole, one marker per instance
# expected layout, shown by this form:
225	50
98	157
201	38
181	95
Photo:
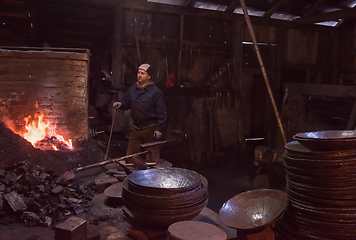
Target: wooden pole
180	49
136	37
249	25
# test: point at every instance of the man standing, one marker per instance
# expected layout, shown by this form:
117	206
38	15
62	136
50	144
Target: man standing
148	110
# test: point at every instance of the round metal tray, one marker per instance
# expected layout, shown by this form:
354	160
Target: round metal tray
164	181
254	210
327	140
328	135
114	191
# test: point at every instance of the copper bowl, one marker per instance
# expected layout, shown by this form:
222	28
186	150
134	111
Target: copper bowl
332	140
164	181
165	201
296	150
254	210
159	197
328	135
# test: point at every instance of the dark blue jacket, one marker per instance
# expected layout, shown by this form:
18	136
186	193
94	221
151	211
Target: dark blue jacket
147	106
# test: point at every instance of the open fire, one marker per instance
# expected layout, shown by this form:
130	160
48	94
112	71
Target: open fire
41	134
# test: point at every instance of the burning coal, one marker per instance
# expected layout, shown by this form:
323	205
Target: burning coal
41	134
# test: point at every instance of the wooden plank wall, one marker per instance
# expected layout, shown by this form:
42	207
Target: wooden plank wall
298	49
296	114
302	46
354	47
56	81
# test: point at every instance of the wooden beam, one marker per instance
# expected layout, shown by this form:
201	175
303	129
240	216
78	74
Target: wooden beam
174	10
313	8
116	77
238	82
77	22
19	14
191	3
196	12
325	90
136	37
233	5
70	32
329	16
180	49
274	8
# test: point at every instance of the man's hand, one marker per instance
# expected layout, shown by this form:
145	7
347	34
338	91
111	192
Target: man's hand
116	105
157	135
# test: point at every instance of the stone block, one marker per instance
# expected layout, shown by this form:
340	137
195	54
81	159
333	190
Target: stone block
73	228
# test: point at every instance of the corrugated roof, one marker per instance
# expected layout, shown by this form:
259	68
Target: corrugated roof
321	12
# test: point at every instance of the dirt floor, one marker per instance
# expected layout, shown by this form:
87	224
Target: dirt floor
233	175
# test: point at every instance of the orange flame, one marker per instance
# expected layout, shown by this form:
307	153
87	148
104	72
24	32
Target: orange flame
35	131
39	131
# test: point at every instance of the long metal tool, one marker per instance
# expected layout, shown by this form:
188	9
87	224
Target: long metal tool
68	175
249	25
108	161
112	126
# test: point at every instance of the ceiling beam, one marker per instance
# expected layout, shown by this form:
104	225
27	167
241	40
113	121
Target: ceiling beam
313	8
191	3
19	14
329	16
196	12
232	6
175	10
273	9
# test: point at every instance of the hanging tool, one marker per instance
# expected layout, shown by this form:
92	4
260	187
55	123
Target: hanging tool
180	50
166	60
249	25
185	60
213	156
112	126
230	95
212	65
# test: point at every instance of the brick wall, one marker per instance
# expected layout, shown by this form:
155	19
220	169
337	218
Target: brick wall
56	80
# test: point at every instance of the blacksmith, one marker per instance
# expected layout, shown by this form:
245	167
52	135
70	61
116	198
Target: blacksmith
148	110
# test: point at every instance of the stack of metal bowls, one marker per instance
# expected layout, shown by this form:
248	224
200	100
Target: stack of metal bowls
321	185
156	198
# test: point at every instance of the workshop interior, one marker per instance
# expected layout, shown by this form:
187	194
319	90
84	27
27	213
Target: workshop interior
259	140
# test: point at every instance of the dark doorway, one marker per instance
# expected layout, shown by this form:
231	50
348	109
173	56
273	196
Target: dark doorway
258	110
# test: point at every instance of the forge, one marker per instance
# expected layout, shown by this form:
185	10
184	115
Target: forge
45	90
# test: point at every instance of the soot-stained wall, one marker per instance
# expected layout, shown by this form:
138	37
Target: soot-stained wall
50	82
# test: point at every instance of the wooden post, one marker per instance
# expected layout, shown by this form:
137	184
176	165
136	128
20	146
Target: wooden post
136	37
180	49
116	77
336	59
319	76
274	139
117	81
237	31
